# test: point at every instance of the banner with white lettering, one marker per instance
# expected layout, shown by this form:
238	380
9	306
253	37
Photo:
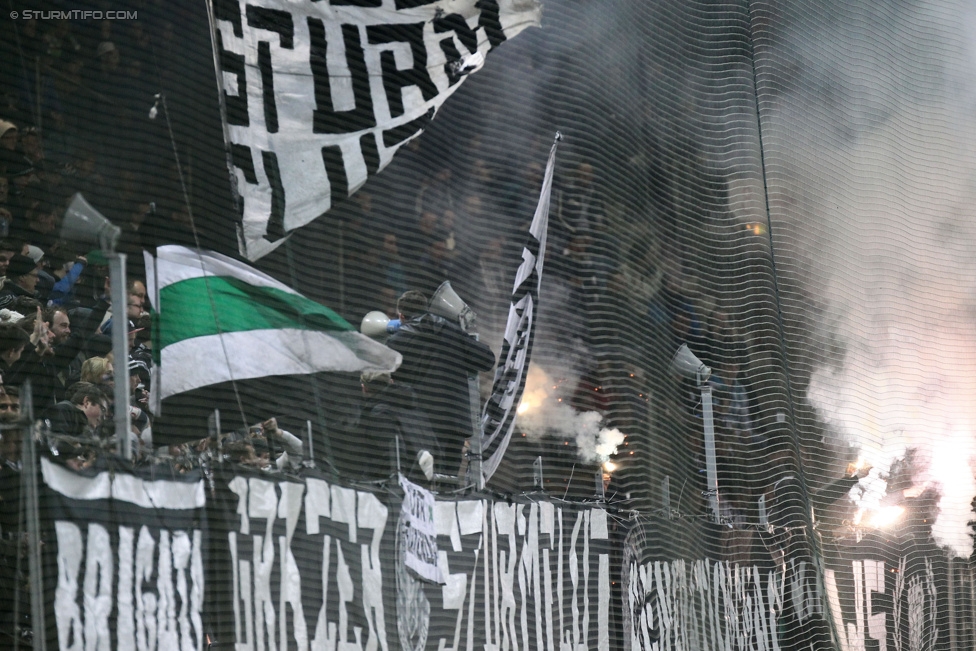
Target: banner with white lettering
310	564
300	562
318	96
887	593
125	558
256	560
678	604
865	595
418	531
498	418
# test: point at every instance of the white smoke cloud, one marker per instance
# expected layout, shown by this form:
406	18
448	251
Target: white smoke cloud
543	412
884	211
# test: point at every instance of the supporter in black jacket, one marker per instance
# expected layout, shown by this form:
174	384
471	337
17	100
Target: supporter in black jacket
49	362
438	358
81	415
391	414
21	279
13	340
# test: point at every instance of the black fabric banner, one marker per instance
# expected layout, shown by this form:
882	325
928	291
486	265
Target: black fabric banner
254	560
264	561
124	559
529	575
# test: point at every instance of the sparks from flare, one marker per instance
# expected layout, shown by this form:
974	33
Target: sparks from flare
542	412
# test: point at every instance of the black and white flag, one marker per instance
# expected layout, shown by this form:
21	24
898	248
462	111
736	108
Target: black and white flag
318	96
498	418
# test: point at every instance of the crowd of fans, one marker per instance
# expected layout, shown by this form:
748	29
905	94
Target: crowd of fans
74	119
619	305
615	310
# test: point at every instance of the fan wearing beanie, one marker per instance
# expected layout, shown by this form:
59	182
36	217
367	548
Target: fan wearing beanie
21	279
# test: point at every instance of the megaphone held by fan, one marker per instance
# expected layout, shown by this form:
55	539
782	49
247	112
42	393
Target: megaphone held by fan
377	324
446	303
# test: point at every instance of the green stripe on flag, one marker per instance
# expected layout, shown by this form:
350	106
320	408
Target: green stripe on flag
187	307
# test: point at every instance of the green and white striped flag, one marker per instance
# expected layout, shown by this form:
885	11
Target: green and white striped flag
218	319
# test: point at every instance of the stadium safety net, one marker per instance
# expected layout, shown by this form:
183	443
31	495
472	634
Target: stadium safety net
502	324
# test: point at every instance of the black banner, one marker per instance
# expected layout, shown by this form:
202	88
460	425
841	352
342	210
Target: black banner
124	560
253	560
265	561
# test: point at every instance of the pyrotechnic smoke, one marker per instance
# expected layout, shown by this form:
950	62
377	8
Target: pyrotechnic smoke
883	175
542	414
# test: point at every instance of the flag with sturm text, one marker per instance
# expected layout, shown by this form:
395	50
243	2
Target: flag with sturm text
318	96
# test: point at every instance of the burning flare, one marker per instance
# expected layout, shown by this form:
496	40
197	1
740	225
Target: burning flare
542	412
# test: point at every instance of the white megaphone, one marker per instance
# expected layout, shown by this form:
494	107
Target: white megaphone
82	223
686	364
377	324
446	303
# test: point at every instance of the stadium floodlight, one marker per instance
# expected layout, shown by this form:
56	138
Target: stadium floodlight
686	364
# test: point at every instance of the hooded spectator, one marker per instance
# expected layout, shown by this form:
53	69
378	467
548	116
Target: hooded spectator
8	136
108	56
6	215
438	357
9	158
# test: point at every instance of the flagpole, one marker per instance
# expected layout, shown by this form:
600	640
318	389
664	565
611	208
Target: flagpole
120	351
29	480
475	449
342	279
499	412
